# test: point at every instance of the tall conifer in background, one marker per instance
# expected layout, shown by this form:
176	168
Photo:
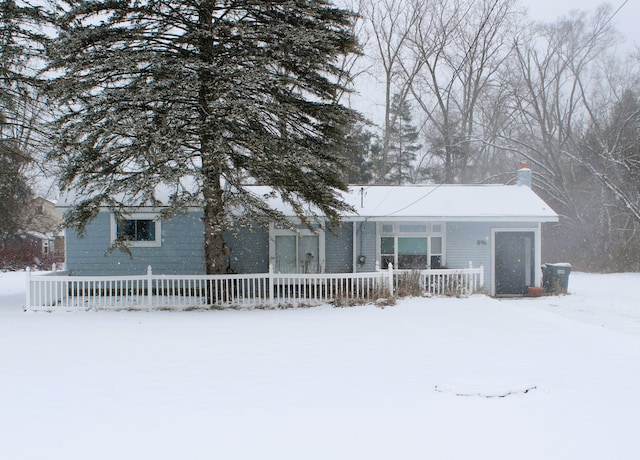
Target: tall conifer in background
403	143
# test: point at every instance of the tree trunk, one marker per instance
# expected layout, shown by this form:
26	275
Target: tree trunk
212	192
215	250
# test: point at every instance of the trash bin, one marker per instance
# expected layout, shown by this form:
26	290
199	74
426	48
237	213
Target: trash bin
555	277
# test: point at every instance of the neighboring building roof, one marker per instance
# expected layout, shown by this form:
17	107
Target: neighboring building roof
39	235
435	202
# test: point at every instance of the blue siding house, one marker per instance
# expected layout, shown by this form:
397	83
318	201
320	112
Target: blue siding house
410	227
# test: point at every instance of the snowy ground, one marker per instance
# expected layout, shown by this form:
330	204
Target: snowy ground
478	378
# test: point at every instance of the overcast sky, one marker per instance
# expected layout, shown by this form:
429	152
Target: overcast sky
626	20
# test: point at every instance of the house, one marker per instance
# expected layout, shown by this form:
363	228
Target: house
36	243
410	227
42	223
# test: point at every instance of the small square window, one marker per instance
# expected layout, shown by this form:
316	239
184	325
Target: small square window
138	231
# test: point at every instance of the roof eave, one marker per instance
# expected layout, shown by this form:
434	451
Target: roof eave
523	218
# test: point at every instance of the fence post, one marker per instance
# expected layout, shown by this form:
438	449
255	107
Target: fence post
271	287
149	287
481	276
390	270
27	304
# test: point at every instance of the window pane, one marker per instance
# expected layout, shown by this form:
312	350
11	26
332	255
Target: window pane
387	228
436	245
127	230
308	254
412	262
145	230
387	245
413	228
436	262
415	246
385	261
285	254
412	253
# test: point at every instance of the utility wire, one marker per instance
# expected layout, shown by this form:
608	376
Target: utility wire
414	202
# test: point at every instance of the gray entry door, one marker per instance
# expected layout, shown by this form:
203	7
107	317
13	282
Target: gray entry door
514	259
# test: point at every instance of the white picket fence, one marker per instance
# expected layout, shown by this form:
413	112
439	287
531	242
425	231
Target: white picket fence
58	291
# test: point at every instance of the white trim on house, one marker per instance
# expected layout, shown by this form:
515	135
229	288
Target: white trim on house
412	229
537	237
354	248
519	219
538	255
153	216
308	265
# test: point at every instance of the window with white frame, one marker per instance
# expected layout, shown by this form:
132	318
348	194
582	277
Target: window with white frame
299	250
137	230
411	245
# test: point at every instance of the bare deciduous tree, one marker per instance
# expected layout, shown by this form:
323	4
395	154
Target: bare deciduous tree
391	23
575	119
458	48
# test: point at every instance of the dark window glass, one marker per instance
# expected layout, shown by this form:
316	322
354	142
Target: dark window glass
145	230
387	251
137	230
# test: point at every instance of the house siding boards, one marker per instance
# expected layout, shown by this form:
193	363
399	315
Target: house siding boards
367	245
178	254
468	242
470	216
248	249
471	242
339	249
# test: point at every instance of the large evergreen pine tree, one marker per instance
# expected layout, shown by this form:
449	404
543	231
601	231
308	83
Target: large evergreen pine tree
201	96
21	42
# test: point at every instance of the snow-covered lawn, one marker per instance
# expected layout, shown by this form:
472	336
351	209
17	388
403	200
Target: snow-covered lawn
478	378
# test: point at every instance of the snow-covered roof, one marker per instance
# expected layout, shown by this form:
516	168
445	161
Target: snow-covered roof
39	235
435	202
451	202
441	202
162	193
